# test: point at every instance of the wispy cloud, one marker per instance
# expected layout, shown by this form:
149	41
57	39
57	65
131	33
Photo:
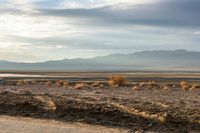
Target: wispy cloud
59	29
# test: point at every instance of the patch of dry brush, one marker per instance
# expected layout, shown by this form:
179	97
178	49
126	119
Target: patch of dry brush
117	80
62	83
97	85
49	83
185	85
80	86
195	86
22	82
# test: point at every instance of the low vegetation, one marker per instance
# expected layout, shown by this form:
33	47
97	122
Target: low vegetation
62	83
136	87
49	83
97	85
22	82
117	80
196	86
81	86
185	85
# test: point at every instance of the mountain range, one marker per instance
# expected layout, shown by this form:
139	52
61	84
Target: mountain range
144	60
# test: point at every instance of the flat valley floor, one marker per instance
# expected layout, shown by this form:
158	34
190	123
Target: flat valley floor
162	108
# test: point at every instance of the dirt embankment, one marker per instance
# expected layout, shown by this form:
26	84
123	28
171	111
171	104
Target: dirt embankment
123	112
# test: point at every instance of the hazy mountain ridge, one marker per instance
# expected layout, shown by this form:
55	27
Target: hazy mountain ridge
145	60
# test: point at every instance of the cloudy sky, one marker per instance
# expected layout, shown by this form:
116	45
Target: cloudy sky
40	30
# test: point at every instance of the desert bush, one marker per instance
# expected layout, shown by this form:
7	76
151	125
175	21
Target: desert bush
49	83
81	86
184	85
136	88
22	82
196	86
151	83
65	84
165	87
59	83
33	82
117	80
97	85
141	84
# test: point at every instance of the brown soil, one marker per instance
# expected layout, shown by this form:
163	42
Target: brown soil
154	110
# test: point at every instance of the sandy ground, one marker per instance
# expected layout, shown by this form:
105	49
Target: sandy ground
152	109
28	125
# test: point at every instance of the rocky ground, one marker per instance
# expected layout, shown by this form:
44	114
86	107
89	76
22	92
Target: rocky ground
152	110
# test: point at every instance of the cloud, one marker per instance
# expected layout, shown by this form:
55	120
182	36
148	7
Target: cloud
57	29
180	13
197	32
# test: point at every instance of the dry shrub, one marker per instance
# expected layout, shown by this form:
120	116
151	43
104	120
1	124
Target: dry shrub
136	88
80	86
165	88
196	86
97	85
33	82
22	82
184	85
142	84
49	83
59	83
63	83
117	80
151	83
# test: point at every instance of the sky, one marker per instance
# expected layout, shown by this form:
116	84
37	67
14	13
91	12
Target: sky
41	30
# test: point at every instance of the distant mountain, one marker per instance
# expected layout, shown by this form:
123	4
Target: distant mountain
145	60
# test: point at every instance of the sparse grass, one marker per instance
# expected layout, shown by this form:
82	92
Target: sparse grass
142	84
184	85
97	85
33	82
49	83
136	87
196	86
63	83
151	83
80	86
117	80
165	87
22	82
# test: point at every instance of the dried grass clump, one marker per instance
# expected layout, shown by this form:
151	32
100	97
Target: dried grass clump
81	86
97	85
22	82
136	88
196	86
33	82
59	83
142	84
117	80
63	83
151	83
184	85
49	83
165	88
